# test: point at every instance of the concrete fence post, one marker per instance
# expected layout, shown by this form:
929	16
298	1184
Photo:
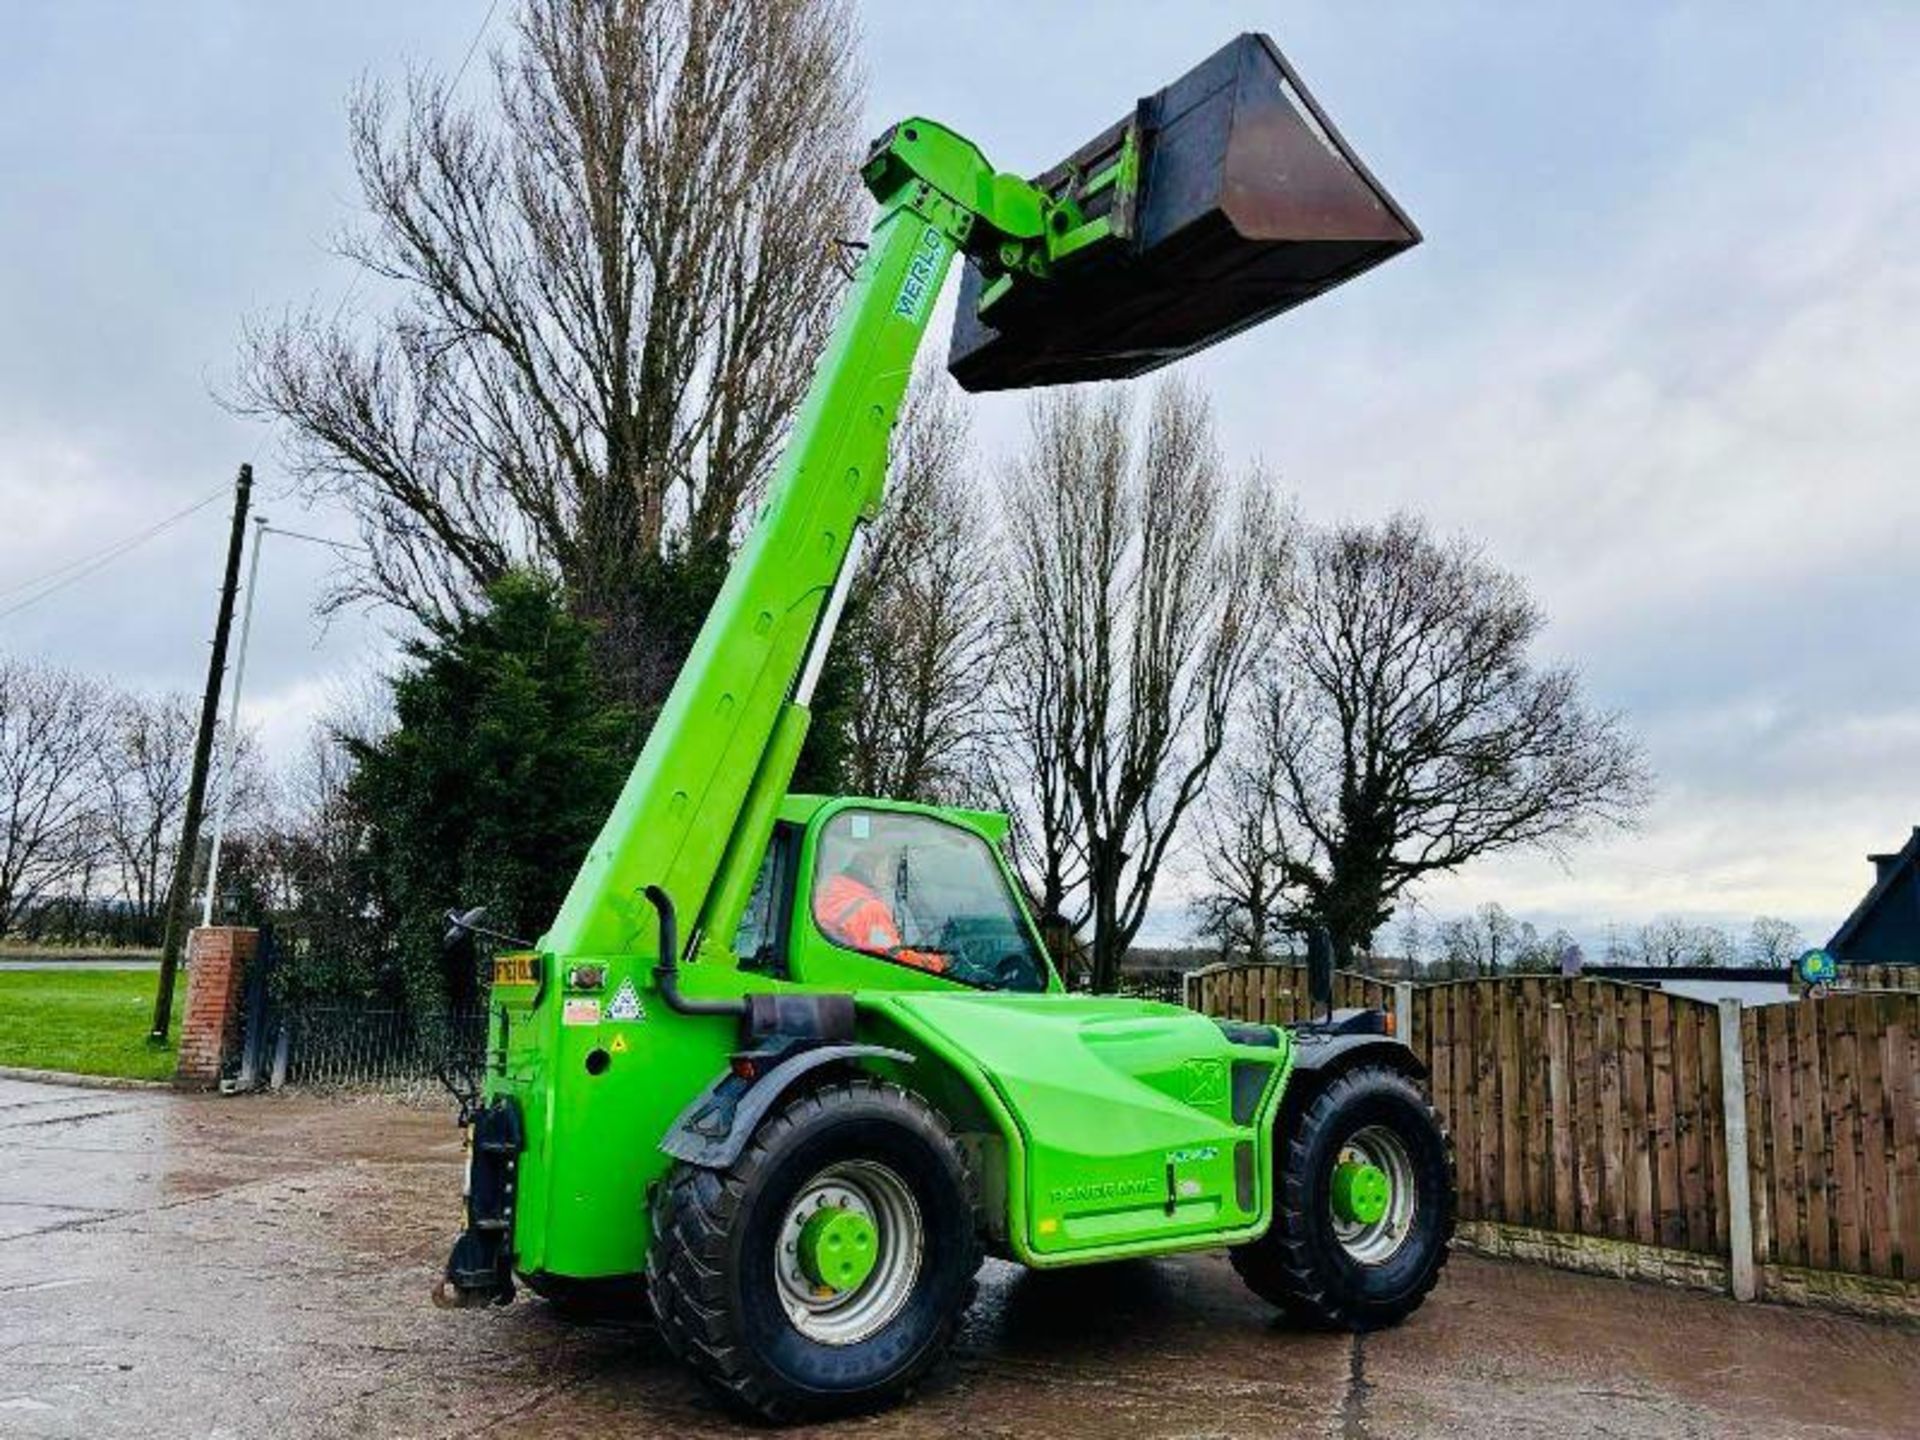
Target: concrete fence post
1403	1011
282	1053
1193	983
1733	1086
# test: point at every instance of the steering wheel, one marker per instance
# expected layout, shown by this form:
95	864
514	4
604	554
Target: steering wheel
1013	972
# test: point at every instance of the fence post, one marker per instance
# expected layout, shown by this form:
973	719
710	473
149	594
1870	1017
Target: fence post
1403	1011
1193	983
1733	1088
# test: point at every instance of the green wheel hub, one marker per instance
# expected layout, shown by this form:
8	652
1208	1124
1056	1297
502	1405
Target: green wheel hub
1361	1192
838	1248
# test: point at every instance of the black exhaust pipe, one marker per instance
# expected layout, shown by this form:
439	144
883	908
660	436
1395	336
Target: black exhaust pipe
667	973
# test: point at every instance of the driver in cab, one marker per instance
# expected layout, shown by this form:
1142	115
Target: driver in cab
849	910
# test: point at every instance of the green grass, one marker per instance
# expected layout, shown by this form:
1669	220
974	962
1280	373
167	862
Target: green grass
86	1022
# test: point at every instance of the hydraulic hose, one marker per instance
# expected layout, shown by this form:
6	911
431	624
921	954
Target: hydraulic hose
667	973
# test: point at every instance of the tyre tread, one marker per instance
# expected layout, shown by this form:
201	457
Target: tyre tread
1280	1267
695	1211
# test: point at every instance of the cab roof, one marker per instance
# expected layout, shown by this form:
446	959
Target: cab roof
801	809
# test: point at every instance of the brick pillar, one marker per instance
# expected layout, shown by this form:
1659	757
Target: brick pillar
217	958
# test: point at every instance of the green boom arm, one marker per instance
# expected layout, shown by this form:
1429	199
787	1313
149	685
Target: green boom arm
696	813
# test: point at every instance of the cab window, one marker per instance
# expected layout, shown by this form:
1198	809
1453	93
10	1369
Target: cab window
760	942
922	893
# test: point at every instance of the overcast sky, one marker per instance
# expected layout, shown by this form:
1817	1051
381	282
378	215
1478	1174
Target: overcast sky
1660	352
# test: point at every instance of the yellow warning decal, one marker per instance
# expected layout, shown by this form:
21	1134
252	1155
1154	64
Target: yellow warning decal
619	1045
520	969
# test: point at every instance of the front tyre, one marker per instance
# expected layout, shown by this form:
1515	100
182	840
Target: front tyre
1364	1215
826	1270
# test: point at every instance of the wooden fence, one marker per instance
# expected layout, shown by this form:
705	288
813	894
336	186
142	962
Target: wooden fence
1833	1087
1581	1106
1880	977
1596	1108
1275	994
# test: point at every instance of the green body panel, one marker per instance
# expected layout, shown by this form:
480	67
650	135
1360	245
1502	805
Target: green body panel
1105	1127
1117	1114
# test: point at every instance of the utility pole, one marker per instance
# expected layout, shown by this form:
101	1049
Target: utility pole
230	742
181	890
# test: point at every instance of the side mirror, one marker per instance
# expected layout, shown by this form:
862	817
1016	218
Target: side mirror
1320	969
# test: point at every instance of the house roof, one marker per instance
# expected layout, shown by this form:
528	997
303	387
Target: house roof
1890	872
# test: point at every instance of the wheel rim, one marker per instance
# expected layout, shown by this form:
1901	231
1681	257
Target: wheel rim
868	1209
1371	1227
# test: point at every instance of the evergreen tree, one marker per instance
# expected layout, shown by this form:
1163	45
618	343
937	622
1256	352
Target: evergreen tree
506	756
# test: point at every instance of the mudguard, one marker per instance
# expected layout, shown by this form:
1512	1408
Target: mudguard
1316	1053
713	1130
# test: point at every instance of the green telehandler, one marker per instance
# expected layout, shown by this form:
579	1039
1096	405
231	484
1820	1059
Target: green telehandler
791	1063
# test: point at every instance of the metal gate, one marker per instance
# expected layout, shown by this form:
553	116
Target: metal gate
325	1042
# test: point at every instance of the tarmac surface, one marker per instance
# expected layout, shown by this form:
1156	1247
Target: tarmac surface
191	1266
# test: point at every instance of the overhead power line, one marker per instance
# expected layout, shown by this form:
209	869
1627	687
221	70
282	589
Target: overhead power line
53	581
318	540
474	44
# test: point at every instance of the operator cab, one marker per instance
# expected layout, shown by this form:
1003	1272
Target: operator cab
884	895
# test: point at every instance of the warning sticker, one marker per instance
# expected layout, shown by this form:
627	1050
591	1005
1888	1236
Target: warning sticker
516	970
619	1045
626	1003
580	1010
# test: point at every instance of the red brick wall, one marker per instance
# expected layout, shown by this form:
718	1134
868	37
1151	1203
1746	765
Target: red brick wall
217	960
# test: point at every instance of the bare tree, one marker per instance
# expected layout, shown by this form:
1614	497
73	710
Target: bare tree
1245	905
1414	733
609	288
1027	770
144	767
303	863
1476	945
1413	934
923	621
1541	954
141	772
1673	941
1140	592
1773	942
52	727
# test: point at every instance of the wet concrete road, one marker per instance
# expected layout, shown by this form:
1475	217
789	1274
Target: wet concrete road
174	1266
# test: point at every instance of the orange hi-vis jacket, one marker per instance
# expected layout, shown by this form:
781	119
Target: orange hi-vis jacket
851	914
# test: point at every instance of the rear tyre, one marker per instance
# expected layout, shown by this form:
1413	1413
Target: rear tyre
1365	1206
826	1270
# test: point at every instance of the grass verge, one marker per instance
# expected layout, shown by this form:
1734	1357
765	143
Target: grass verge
85	1022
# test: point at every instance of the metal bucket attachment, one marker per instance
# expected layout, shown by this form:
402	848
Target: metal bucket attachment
1223	200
